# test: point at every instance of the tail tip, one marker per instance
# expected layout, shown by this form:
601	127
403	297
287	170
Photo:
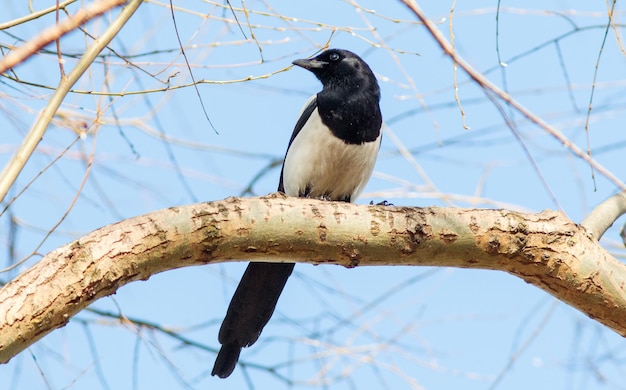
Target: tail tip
226	360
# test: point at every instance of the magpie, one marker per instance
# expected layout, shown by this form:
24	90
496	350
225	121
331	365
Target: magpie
331	155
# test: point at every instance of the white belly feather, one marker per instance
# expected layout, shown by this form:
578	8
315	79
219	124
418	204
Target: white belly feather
326	164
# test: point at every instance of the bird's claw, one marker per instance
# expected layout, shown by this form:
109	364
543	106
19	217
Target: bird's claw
383	203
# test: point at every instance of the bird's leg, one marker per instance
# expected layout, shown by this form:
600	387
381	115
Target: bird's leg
307	194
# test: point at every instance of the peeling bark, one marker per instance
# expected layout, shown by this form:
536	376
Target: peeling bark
545	249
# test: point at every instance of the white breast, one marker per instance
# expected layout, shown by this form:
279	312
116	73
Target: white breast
329	166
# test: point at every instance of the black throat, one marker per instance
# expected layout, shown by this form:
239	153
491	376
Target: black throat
352	114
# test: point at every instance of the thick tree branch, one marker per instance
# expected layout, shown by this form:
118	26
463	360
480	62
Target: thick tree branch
544	249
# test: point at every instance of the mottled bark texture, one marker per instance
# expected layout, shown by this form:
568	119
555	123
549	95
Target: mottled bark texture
545	249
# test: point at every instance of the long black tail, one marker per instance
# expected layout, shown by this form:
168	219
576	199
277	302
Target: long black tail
250	309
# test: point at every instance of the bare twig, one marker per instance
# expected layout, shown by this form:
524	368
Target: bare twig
488	85
454	72
17	162
58	43
593	87
193	78
55	32
35	15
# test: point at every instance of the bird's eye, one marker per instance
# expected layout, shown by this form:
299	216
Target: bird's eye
333	56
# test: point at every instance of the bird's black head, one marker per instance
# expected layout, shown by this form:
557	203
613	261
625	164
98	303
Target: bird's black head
337	68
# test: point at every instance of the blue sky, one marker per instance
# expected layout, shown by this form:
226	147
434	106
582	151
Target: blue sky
394	327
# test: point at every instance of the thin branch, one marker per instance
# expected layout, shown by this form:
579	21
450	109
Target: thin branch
193	78
518	353
17	162
168	87
454	72
488	85
35	15
55	32
593	89
58	43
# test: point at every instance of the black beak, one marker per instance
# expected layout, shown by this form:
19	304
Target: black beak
310	63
